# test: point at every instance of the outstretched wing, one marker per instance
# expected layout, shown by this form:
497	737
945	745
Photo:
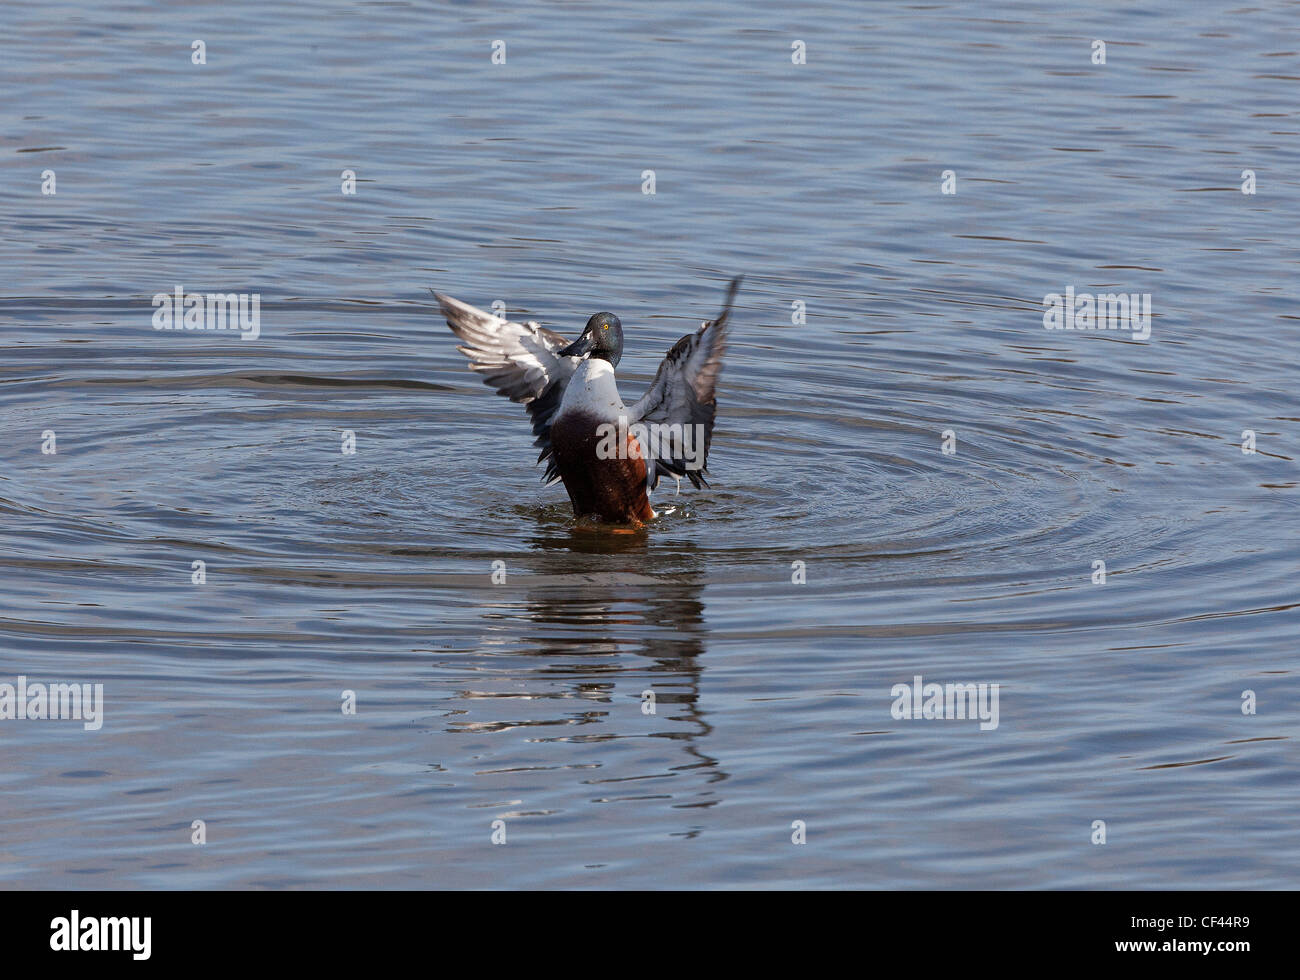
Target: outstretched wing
520	360
680	403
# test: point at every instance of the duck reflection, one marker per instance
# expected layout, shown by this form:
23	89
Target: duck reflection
610	624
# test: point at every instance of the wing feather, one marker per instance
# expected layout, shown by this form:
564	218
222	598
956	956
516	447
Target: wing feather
682	393
520	360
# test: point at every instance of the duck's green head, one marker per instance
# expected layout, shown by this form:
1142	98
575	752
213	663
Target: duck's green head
602	337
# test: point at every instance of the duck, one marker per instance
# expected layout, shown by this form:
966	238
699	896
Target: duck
609	455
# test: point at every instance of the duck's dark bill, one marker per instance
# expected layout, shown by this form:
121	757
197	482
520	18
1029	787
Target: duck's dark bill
579	347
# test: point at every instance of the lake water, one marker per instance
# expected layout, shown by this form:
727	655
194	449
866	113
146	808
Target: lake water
522	701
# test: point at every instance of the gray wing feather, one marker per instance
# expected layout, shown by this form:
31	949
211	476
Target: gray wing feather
682	393
520	360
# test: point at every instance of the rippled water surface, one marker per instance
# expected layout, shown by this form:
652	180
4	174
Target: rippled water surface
523	701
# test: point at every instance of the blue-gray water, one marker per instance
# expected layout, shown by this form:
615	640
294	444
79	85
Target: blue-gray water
522	701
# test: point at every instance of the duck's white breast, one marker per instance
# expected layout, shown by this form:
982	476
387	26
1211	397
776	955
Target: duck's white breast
592	391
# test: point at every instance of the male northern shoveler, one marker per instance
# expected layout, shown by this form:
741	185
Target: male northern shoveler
609	455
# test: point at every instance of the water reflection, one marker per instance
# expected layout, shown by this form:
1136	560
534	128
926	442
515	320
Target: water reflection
627	644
